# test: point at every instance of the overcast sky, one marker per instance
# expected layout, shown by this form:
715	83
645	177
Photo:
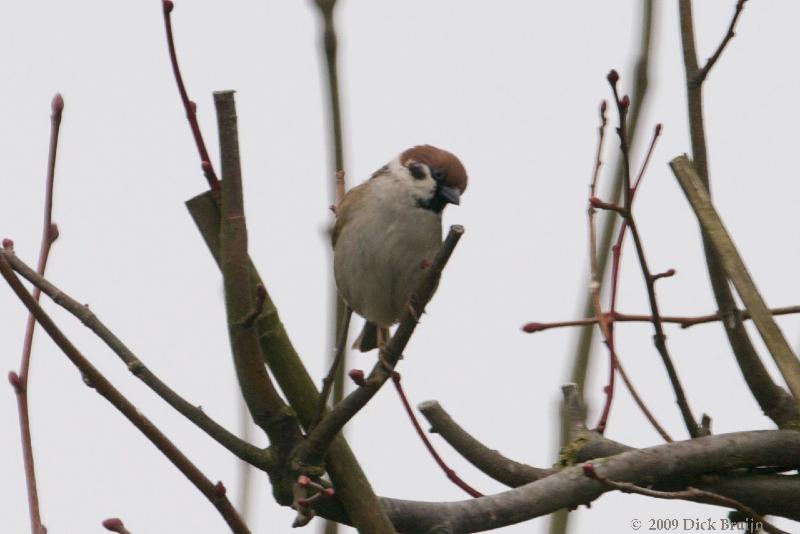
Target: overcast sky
512	88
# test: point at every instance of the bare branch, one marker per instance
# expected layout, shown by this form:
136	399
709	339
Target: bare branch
682	321
689	494
327	382
320	438
773	399
735	269
451	475
356	502
489	461
245	451
188	105
663	464
701	75
20	381
659	338
97	381
265	405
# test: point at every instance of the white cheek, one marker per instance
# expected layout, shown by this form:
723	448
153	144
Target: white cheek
423	189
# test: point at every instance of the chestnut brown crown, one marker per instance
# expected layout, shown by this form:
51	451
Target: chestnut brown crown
454	173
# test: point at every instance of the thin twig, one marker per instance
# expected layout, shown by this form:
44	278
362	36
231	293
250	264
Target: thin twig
451	475
339	310
213	492
641	404
188	105
659	337
245	451
327	382
689	494
683	321
583	343
701	75
604	324
20	381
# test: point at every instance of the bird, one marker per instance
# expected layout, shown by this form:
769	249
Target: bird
388	230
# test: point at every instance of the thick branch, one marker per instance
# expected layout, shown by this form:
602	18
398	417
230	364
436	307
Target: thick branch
689	494
245	451
265	405
677	461
773	400
353	490
213	492
489	461
714	230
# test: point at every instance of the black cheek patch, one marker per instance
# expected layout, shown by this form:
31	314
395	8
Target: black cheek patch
416	171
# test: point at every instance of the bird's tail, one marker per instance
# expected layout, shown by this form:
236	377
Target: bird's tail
371	336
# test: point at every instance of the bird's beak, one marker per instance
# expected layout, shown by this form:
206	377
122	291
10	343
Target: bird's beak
449	194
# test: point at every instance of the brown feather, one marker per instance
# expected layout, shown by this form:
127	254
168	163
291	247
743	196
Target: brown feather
454	172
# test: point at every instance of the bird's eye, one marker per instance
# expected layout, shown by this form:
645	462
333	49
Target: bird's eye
438	175
416	171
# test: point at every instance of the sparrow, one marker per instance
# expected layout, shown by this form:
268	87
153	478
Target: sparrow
388	229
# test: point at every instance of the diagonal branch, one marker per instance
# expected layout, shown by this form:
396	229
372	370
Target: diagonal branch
20	381
735	269
188	105
245	451
265	405
316	445
215	493
773	399
356	501
663	464
659	338
701	75
489	461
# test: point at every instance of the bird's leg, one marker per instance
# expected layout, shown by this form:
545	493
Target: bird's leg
411	306
383	341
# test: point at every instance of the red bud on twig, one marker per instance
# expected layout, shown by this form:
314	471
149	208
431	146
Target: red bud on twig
613	77
219	489
357	376
114	524
8	243
625	102
168	6
52	233
531	328
16	383
57	105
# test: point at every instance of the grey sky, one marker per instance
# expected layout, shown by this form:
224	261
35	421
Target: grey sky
512	88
